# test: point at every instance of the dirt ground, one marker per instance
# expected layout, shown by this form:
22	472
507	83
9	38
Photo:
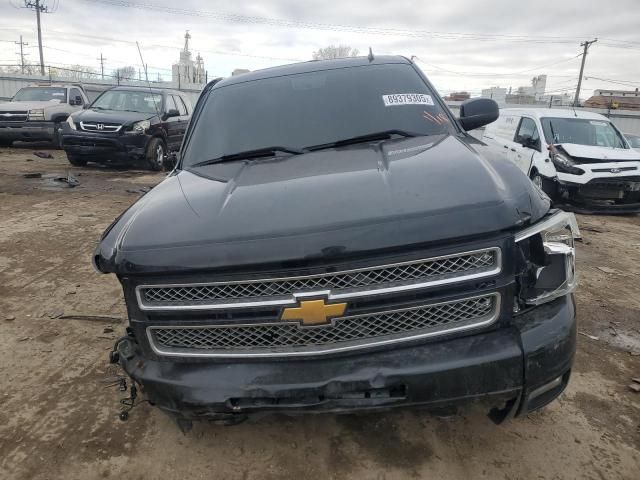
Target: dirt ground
59	416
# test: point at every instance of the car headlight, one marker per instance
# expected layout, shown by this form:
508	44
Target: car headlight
71	123
564	164
549	259
139	128
36	114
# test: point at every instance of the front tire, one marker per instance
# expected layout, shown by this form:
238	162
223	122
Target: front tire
76	161
156	152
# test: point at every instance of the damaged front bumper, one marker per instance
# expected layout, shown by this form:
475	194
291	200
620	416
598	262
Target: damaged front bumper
104	148
611	195
515	369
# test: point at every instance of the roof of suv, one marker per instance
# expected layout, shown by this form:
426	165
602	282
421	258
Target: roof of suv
553	112
158	91
312	66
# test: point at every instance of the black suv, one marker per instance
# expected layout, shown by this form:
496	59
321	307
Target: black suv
128	124
332	239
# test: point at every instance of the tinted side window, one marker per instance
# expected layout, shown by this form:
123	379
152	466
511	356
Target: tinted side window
180	104
170	104
76	93
527	129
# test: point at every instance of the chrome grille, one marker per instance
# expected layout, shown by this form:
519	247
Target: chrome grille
6	116
280	291
345	333
100	127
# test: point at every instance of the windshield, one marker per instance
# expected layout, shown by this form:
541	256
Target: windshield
129	101
41	94
582	131
316	108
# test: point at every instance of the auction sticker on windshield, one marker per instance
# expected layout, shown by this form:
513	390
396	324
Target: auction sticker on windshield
406	99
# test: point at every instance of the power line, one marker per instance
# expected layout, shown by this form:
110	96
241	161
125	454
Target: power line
277	22
506	74
609	80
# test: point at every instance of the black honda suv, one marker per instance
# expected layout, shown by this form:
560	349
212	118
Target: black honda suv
332	239
128	124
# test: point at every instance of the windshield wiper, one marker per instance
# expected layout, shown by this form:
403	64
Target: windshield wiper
369	137
255	153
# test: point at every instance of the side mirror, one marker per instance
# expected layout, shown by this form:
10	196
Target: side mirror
171	113
478	112
528	142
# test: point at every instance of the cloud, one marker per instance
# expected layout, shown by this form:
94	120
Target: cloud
79	31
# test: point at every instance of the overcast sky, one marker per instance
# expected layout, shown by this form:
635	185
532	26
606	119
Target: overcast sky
283	31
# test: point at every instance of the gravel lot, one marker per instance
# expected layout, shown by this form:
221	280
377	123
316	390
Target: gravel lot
59	419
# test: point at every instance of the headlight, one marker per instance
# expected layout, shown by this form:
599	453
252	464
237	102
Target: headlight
139	128
549	259
36	114
71	123
564	164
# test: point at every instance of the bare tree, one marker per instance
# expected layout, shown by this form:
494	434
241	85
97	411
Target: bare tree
330	52
125	73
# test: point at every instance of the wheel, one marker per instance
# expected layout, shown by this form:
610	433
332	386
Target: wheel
546	185
6	143
76	161
156	152
57	135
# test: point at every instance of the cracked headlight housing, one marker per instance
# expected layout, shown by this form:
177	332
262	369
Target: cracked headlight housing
139	128
548	259
36	114
564	164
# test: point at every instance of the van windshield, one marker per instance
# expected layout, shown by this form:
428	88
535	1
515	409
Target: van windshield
582	131
309	109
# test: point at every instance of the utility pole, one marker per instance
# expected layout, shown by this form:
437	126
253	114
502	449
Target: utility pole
102	59
22	54
586	45
39	7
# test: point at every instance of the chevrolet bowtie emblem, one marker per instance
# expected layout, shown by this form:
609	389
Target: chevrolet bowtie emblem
313	312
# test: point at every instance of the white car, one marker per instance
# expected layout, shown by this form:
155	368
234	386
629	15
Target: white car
576	157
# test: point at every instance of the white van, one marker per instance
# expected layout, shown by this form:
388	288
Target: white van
576	157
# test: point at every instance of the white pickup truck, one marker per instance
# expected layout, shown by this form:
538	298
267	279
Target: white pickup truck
37	112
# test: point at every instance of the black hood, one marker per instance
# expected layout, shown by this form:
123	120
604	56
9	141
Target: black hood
337	202
92	115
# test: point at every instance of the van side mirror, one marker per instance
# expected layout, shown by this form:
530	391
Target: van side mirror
478	112
528	142
76	101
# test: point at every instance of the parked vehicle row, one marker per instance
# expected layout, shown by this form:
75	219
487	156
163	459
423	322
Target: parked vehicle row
38	112
322	246
576	157
128	124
